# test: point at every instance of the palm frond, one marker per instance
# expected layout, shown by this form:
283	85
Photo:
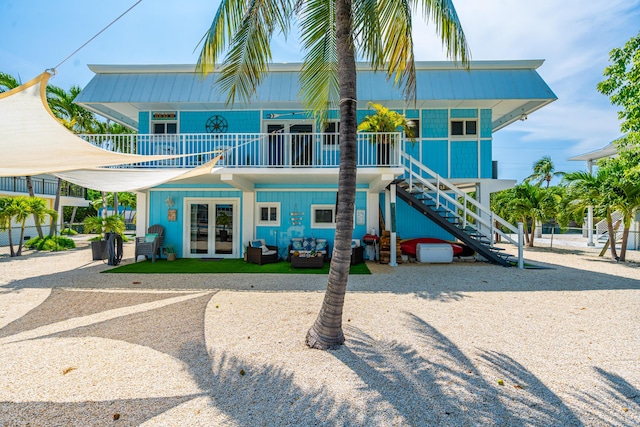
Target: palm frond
251	25
367	32
214	42
395	18
319	74
443	14
8	82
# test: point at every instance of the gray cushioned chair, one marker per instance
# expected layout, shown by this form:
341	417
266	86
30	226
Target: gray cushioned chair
150	248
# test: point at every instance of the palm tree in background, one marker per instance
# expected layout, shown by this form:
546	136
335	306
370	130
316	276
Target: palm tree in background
8	82
584	190
332	34
73	117
543	170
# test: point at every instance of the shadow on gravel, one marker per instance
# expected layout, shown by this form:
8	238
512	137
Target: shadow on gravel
616	402
526	394
438	282
446	388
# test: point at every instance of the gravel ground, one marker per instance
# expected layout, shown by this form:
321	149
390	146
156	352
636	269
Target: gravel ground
462	344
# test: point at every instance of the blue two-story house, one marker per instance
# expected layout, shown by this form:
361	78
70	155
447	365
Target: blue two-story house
278	176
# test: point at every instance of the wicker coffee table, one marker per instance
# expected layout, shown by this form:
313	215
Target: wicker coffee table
304	262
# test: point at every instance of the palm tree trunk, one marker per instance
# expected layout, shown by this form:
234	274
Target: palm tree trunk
612	235
12	251
526	231
19	253
326	331
625	237
533	231
32	194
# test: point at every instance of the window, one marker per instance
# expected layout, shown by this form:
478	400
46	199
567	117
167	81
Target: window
165	128
415	127
464	127
323	216
268	214
164	122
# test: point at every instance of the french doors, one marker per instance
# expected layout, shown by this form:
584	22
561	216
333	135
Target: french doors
290	144
211	229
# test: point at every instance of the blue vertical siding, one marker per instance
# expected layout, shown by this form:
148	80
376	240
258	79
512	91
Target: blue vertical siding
435	155
464	159
238	121
143	122
410	223
486	159
301	201
173	230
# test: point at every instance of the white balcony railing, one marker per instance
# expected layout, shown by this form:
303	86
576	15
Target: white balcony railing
255	150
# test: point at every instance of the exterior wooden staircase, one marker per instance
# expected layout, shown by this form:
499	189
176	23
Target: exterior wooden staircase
460	215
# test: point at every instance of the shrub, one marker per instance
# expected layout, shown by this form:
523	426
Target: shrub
52	244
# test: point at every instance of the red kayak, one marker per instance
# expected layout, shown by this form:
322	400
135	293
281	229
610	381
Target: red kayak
409	246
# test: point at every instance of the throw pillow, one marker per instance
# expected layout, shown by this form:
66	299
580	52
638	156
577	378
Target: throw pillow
309	244
256	243
321	246
150	238
296	245
265	249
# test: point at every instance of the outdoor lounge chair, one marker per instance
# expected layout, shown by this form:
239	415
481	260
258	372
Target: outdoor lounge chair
150	244
260	253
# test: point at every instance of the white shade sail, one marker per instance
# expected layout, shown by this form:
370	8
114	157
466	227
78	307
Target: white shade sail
33	141
117	180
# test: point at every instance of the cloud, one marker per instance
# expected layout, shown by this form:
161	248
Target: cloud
574	38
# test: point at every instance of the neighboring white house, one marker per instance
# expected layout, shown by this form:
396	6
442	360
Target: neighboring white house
600	228
44	186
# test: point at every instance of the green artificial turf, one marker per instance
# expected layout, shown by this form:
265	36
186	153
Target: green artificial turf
196	266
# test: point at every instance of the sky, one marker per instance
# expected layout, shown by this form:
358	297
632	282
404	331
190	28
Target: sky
573	37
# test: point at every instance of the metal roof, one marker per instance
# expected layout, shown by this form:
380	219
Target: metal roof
606	151
510	88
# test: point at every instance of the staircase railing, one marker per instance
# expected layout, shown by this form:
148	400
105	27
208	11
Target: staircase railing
469	208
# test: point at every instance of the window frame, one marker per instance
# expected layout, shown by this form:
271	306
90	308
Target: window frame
269	206
416	127
464	133
315	208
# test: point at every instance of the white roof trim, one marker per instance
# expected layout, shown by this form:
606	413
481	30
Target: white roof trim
295	66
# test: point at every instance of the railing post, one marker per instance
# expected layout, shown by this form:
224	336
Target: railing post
183	143
520	250
393	261
492	230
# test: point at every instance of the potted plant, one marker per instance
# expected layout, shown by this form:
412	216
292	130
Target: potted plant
96	224
171	253
385	120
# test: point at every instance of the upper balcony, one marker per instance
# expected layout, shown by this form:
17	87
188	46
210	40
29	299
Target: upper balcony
256	150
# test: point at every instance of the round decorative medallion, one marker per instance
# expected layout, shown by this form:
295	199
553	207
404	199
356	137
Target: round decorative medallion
217	124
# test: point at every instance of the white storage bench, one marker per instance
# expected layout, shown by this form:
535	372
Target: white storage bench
434	252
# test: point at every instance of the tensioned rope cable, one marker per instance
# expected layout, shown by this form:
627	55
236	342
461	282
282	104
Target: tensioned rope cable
91	39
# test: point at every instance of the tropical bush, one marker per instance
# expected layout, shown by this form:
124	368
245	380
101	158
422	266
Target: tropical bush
112	224
50	243
68	232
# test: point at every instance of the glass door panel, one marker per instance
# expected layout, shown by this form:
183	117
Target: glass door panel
224	229
276	144
199	243
301	144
